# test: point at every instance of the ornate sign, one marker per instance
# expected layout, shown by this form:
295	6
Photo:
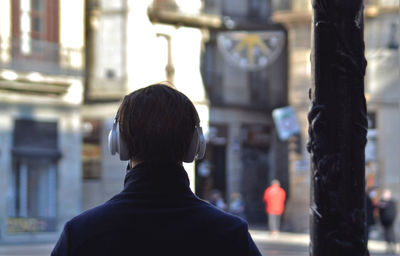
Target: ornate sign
251	50
286	122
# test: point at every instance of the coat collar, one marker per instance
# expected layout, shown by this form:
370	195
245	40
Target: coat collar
165	177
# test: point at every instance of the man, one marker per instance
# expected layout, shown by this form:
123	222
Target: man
274	199
387	215
156	128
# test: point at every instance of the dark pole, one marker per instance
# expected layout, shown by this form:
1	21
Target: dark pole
337	130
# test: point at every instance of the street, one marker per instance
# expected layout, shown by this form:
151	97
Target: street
285	244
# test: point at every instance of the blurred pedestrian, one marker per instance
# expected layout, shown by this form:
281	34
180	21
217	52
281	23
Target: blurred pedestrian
236	205
156	128
274	199
387	216
217	200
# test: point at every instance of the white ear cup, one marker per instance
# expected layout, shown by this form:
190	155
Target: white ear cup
202	144
122	147
116	144
112	140
197	146
192	150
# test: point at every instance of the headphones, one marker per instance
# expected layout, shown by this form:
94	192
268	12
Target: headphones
196	150
115	143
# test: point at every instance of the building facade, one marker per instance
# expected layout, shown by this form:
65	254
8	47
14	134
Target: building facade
41	86
245	84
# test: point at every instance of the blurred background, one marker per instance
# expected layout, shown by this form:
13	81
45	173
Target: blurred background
65	66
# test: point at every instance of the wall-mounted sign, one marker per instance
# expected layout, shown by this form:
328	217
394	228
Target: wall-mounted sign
286	122
251	50
371	154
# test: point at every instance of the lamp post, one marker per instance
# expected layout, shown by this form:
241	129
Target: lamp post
337	130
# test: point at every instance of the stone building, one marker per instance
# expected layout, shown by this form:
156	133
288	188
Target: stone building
41	85
245	73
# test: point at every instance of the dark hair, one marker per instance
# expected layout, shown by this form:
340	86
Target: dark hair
157	122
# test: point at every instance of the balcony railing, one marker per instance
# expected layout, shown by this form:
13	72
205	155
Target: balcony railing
40	56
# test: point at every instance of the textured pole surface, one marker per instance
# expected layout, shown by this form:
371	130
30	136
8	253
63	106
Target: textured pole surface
337	130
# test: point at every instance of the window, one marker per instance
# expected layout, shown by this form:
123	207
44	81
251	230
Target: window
38	25
33	191
91	149
33	23
33	206
38	5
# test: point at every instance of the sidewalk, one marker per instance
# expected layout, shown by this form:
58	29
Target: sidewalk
26	249
261	236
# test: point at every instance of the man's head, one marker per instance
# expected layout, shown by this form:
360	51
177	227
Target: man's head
157	124
387	194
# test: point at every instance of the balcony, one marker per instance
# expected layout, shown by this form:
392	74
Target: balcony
40	56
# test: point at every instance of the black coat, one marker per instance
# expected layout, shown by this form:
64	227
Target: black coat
155	214
387	212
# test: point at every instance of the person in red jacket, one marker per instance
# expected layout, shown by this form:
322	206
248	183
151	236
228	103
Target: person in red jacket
274	199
